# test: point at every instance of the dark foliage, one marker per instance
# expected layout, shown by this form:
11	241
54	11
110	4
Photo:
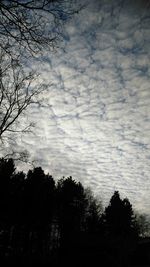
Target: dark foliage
119	216
42	222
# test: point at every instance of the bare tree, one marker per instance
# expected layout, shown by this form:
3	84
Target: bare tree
18	90
143	225
27	27
32	24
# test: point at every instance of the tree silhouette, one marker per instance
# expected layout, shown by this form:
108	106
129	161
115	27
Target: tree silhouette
120	225
143	225
26	210
39	202
32	25
119	215
7	169
71	208
93	212
41	222
27	28
18	91
70	197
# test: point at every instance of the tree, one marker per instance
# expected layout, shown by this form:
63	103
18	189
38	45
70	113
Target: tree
70	195
26	209
143	225
18	91
70	209
7	169
27	25
93	212
71	205
26	28
121	233
39	208
119	216
40	192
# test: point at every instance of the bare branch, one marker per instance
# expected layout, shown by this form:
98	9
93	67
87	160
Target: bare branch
22	157
17	92
32	25
26	28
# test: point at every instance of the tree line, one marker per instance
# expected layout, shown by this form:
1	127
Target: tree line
44	221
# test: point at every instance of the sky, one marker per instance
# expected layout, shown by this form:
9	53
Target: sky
95	126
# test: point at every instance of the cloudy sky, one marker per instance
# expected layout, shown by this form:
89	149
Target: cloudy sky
96	126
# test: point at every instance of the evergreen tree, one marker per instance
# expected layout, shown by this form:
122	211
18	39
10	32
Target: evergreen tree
119	216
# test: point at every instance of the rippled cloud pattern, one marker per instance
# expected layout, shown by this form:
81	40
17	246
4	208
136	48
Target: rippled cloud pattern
96	126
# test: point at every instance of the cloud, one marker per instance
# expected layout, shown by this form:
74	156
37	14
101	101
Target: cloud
96	124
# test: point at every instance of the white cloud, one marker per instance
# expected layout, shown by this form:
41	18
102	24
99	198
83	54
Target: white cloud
96	127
